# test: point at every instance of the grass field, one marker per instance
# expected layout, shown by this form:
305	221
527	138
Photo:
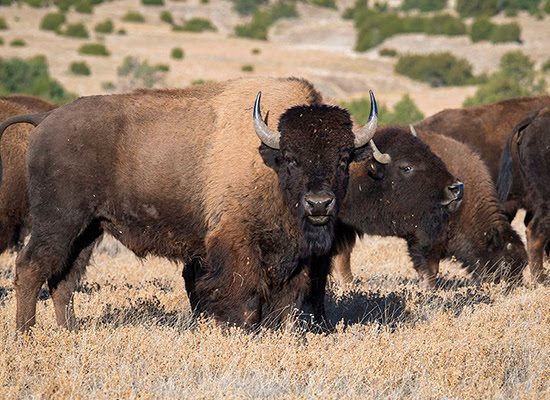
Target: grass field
136	339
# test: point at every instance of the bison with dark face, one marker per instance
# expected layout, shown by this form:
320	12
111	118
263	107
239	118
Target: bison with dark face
178	174
485	129
410	197
533	162
478	233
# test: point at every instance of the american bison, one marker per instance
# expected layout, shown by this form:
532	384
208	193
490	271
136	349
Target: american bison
409	197
31	103
182	174
485	129
533	162
14	200
478	234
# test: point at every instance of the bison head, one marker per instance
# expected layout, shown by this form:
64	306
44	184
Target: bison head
311	152
410	195
504	256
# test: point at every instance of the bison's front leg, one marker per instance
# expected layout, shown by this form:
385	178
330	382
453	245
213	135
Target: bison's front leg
231	286
536	240
318	272
425	260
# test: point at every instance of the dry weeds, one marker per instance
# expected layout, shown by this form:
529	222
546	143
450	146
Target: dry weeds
136	339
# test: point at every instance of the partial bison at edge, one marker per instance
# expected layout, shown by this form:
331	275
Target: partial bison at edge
194	175
532	143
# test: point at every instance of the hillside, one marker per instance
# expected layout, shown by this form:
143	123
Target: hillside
318	46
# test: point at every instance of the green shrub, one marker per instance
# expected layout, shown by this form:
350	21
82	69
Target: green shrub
106	26
263	19
133	16
140	74
121	31
546	7
177	53
195	25
424	5
3	24
18	43
545	67
52	21
247	68
474	8
387	52
437	69
481	29
83	7
162	67
516	77
31	77
255	51
37	3
63	5
506	33
404	112
166	16
247	7
94	49
108	86
198	82
77	30
444	24
1	41
324	3
152	2
80	68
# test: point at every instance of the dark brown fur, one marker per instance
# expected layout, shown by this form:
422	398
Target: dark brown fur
178	174
533	164
486	129
478	233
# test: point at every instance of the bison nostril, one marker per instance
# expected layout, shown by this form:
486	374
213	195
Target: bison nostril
457	189
319	204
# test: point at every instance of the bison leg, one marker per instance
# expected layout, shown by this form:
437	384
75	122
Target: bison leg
29	278
426	263
536	240
191	271
341	267
63	285
320	268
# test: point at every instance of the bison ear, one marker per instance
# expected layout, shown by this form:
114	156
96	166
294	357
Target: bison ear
270	156
494	239
375	169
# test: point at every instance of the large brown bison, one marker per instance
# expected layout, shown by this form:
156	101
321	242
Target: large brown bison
194	175
478	233
533	163
486	128
14	202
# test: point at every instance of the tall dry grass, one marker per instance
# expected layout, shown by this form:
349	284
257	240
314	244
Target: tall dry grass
136	339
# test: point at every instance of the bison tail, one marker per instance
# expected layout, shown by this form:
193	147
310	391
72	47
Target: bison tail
505	171
33	119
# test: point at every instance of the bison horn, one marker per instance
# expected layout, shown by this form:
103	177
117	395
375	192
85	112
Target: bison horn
268	136
378	156
413	131
364	134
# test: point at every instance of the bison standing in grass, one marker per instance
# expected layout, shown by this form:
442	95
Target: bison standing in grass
478	233
533	163
194	175
14	199
485	129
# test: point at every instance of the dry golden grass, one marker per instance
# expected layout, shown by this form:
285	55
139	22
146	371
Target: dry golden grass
136	339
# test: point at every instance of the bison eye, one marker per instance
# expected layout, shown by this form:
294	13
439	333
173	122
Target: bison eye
406	169
290	160
344	161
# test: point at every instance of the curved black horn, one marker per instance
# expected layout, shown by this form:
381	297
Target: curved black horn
268	136
365	133
378	156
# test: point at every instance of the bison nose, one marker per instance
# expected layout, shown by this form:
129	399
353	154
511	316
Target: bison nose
457	189
453	195
320	203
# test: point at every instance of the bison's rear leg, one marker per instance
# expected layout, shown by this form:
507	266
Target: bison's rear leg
29	278
63	285
192	270
536	240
